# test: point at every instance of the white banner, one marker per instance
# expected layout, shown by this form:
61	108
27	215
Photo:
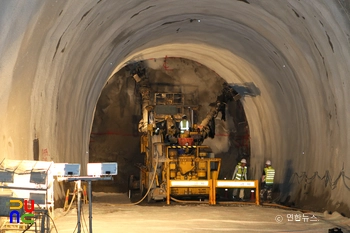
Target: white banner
238	183
189	183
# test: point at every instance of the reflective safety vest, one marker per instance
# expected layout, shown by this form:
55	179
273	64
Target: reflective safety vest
184	125
269	175
240	172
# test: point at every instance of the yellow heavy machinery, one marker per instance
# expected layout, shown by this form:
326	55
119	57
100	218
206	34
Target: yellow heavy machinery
170	154
178	162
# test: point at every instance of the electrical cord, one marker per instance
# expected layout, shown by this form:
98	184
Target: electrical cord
53	222
303	178
336	181
84	221
136	203
151	184
45	214
186	202
327	177
76	226
83	226
285	207
345	177
28	227
71	202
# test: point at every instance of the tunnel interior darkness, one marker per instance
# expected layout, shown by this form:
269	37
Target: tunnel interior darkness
115	135
57	56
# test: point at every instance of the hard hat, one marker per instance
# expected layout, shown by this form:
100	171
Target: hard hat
243	161
268	162
184	117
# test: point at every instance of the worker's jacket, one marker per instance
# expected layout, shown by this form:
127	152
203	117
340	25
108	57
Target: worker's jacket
184	125
240	172
269	174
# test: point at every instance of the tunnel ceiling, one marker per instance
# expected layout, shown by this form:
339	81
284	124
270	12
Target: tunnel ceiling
57	56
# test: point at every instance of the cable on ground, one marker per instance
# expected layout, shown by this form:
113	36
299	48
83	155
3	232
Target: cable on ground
71	202
151	184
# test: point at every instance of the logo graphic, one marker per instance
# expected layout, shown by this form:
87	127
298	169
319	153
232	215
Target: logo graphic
16	205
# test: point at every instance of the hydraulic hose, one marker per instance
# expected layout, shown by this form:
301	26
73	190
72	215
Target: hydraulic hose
151	184
71	202
186	202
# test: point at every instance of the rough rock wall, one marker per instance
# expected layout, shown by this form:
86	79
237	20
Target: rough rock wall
115	136
56	56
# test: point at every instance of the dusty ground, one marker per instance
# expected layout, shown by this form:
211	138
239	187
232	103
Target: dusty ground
113	212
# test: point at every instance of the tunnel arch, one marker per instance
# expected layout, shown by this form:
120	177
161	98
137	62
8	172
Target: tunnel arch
283	55
63	53
234	70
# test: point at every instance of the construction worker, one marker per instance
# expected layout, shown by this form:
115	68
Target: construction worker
184	124
267	180
240	173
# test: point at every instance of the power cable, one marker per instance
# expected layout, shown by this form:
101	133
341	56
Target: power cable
45	214
70	205
336	181
53	222
345	177
86	227
186	202
151	184
76	226
28	227
303	178
285	207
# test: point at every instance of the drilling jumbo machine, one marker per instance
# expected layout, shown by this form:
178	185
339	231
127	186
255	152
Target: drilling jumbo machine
171	153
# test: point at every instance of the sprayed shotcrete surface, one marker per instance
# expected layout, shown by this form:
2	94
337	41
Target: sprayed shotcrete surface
56	57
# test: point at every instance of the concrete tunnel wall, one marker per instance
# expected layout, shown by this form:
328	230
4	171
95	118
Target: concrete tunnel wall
56	57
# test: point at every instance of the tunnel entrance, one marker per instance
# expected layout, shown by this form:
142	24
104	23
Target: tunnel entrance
115	135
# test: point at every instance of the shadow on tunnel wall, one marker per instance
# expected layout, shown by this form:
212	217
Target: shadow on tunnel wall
285	188
246	89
